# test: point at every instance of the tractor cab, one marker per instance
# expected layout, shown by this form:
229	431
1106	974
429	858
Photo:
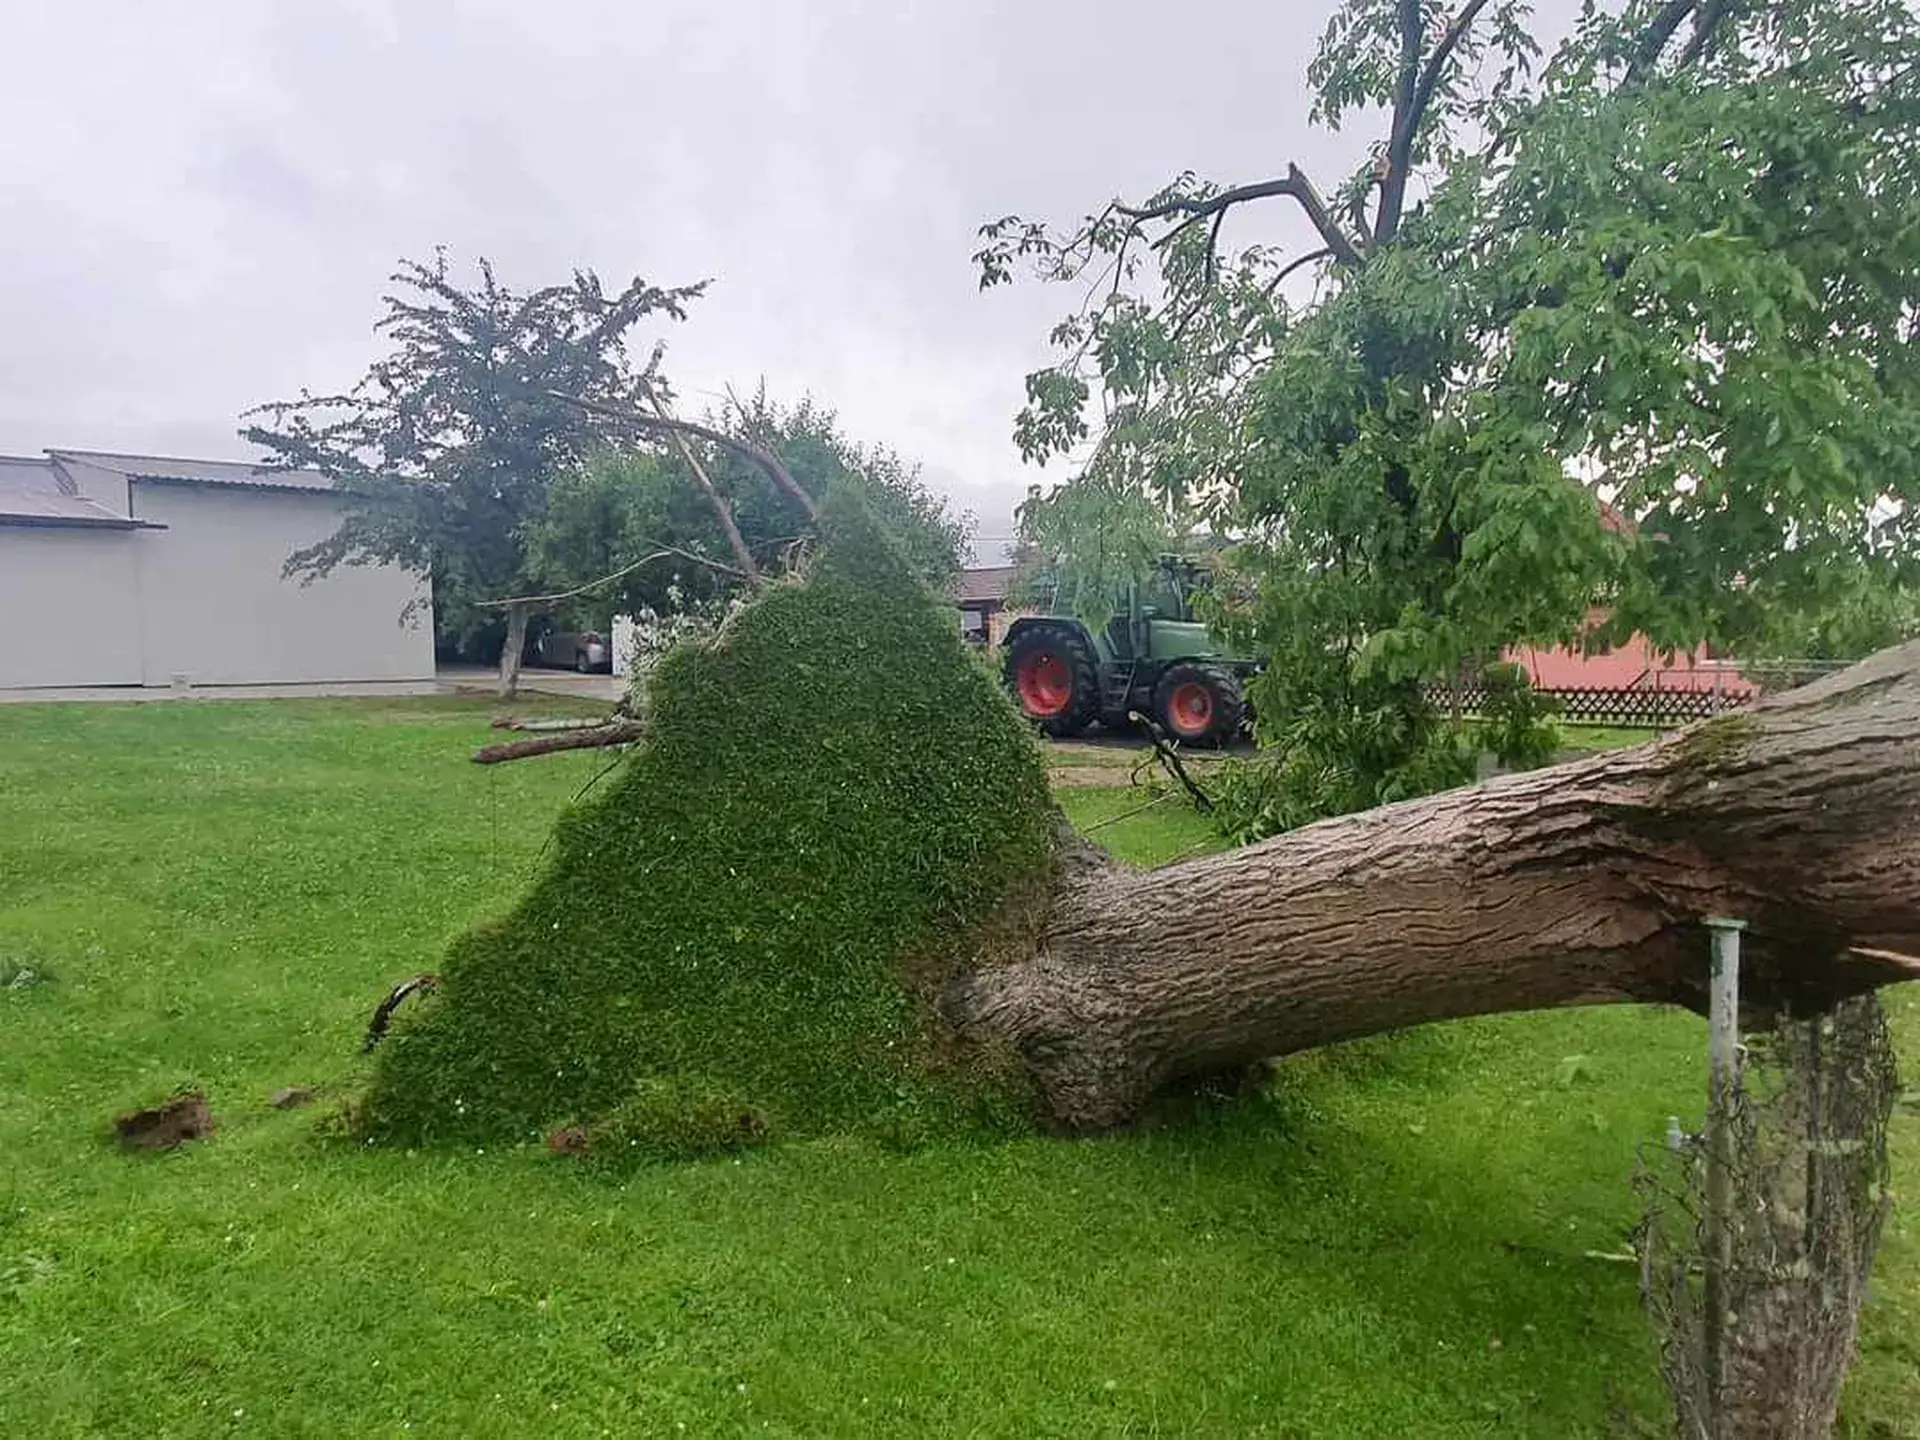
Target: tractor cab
1159	623
1153	658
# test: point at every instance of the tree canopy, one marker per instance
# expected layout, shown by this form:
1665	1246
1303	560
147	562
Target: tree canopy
447	446
623	504
1625	331
509	443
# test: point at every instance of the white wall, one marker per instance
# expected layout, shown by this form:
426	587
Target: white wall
215	608
69	606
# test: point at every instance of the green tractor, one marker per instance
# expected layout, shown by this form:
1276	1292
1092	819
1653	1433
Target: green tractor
1155	658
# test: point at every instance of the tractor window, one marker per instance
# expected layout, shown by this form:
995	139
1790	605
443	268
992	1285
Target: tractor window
1163	598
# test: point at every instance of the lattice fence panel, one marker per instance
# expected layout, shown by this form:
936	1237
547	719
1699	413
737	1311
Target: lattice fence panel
1651	709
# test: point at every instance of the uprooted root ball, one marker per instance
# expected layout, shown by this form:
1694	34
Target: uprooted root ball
832	799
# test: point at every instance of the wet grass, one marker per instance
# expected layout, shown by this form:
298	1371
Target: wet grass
1391	1242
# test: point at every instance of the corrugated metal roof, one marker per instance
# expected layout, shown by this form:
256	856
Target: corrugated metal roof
33	492
22	474
168	468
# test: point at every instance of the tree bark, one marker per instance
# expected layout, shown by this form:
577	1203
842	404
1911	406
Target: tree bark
1583	884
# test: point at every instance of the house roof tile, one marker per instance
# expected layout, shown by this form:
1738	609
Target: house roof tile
985	583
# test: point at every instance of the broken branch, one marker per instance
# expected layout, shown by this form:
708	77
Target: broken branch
1294	184
1170	758
723	512
622	732
538	724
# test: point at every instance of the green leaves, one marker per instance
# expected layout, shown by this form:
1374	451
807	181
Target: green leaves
1053	420
1707	318
1089	543
456	458
446	447
1643	360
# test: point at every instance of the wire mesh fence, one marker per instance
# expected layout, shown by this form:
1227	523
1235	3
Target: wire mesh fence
1805	1138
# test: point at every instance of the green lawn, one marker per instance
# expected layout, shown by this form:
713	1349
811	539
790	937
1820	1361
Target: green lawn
1390	1244
1580	738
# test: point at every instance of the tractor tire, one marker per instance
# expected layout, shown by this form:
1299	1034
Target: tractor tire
1199	704
1051	672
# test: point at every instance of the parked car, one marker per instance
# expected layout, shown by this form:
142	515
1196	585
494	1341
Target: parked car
582	650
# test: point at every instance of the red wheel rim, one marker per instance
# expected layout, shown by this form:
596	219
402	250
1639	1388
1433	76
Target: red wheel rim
1190	710
1045	683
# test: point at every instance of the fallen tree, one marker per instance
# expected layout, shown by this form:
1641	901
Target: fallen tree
818	894
1581	884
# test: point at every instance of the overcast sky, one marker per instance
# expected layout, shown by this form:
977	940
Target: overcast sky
200	201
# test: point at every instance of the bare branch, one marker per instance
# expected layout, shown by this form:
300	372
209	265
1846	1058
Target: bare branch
534	724
383	1013
1170	758
774	467
1293	184
1299	263
1119	277
1437	62
1218	218
1705	23
1213	246
1406	125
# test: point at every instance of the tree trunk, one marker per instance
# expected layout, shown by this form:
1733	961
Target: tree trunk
1583	884
513	651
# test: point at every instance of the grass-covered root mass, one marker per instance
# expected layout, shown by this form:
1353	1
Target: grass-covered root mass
747	914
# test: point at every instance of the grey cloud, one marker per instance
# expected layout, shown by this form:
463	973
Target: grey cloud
202	200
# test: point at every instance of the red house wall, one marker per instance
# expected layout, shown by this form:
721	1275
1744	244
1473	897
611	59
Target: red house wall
1633	666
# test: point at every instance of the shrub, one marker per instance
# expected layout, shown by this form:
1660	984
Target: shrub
1517	720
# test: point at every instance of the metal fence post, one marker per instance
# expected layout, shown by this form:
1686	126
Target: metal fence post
1723	1081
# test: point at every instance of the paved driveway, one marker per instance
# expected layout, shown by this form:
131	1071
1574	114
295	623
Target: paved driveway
137	694
534	681
448	680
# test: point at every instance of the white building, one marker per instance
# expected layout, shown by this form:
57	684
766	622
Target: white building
139	570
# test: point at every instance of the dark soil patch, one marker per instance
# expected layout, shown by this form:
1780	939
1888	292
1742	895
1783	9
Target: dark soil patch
164	1127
